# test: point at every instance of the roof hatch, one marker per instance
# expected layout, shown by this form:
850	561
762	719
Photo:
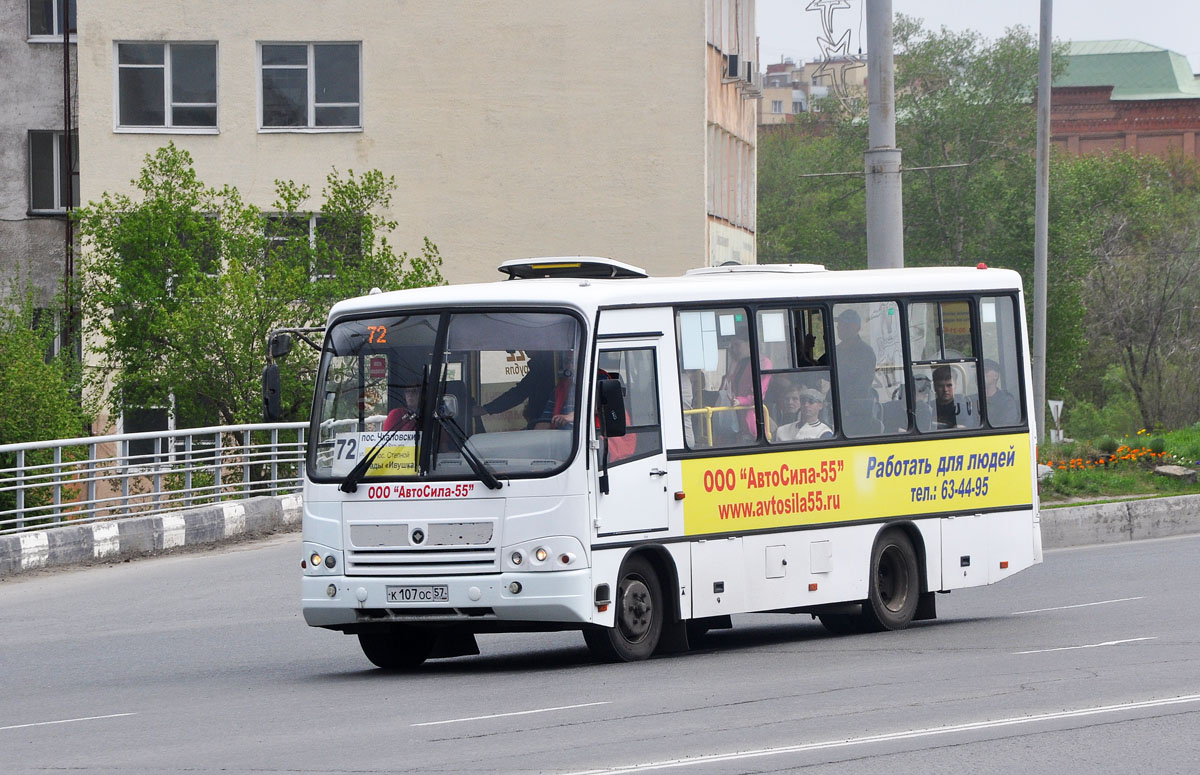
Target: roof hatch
590	267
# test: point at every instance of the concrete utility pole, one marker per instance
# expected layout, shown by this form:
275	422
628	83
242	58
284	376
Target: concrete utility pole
885	209
1041	222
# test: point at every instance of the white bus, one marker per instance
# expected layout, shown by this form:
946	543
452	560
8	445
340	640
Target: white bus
581	446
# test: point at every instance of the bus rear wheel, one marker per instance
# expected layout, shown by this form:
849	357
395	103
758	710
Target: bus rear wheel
639	616
895	586
401	650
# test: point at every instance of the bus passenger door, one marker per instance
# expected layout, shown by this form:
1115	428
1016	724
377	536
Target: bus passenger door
637	498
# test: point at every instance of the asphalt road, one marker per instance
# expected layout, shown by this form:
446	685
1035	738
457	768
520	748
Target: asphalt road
201	663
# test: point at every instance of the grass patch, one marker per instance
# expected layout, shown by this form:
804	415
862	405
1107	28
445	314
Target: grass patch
1108	468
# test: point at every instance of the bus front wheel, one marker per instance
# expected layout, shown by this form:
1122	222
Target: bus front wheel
638	616
402	650
895	583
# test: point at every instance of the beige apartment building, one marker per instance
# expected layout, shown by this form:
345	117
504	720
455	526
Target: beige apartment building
790	89
622	128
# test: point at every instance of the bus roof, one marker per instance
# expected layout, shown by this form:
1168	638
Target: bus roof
716	285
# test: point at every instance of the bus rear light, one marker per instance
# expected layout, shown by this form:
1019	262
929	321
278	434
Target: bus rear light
1003	564
812	587
566	558
602	607
540	554
679	495
315	560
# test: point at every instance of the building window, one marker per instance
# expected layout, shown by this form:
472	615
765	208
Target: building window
310	85
170	85
326	240
776	106
49	177
45	18
797	106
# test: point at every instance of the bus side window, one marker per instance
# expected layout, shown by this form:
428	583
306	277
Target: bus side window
714	345
944	367
638	373
1001	376
869	366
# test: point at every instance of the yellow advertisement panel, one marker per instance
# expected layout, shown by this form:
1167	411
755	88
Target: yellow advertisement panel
808	487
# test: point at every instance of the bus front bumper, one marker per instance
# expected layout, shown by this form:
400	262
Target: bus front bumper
563	597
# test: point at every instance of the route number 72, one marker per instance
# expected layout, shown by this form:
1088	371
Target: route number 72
346	449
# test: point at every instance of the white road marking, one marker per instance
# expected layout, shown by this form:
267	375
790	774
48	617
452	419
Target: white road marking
65	721
890	736
1086	646
1079	605
502	715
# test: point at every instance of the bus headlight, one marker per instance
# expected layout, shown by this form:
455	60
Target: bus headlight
320	560
545	554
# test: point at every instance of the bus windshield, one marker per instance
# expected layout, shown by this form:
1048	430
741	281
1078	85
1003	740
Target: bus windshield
446	394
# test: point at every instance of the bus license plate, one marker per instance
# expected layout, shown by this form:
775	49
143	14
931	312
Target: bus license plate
434	594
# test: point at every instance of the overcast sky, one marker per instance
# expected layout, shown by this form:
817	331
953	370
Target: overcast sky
786	29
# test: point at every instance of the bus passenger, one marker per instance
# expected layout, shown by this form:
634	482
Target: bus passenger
739	378
1001	406
807	425
535	388
855	358
951	411
405	417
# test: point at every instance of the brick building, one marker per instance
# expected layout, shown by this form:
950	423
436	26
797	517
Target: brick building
1125	95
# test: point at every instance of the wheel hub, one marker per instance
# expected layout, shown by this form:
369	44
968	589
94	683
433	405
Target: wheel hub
636	610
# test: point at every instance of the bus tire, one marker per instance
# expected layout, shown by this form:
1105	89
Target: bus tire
638	618
403	650
895	583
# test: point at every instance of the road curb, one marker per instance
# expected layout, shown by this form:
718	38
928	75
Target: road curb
122	539
1107	523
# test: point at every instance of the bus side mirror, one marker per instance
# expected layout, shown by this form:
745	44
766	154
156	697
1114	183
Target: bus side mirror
272	412
280	345
612	408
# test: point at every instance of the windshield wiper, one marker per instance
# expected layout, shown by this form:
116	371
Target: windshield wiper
459	437
350	483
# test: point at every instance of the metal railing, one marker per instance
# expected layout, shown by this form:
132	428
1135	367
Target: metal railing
49	483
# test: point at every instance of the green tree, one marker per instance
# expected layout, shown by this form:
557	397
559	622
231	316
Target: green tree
38	402
804	215
183	283
966	124
39	397
1138	219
